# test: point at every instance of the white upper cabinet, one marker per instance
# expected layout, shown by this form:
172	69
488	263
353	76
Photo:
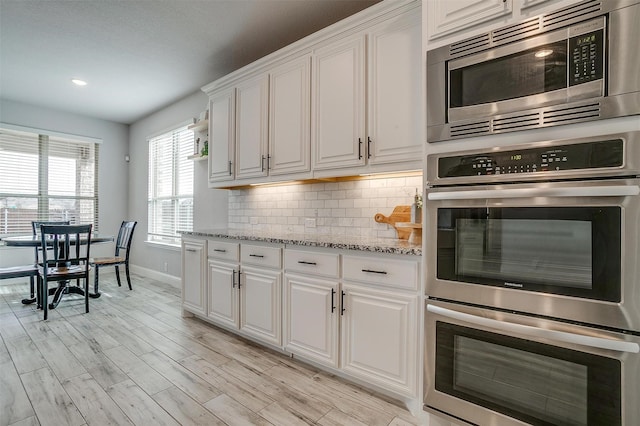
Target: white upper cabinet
222	136
341	102
289	117
378	123
448	21
338	109
395	93
445	17
252	117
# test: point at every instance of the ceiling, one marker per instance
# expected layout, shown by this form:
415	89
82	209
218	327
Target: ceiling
139	56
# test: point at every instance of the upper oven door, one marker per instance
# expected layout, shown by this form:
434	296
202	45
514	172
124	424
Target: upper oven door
556	67
557	249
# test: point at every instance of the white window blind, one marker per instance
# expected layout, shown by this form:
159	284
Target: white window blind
170	206
45	177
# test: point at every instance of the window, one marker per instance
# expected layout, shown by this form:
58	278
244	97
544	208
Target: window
170	186
46	177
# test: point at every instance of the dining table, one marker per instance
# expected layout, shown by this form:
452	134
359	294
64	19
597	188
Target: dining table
63	287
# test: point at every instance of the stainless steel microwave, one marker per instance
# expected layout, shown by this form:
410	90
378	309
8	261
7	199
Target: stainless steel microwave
573	65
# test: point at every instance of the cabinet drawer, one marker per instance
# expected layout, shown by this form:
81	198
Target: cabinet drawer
224	250
270	257
309	262
396	273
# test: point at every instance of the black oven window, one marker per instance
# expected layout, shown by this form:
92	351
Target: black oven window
521	74
573	251
537	383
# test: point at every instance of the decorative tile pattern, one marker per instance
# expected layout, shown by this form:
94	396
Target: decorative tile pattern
339	208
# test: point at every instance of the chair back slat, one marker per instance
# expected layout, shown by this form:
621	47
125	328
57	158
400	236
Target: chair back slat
125	236
35	227
60	243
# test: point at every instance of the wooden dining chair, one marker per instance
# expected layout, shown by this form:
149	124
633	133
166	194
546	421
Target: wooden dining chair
121	256
35	228
65	257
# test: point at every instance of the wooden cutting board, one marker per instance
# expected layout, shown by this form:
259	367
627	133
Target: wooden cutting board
399	214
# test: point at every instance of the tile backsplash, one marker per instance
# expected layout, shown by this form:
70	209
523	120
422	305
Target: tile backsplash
336	208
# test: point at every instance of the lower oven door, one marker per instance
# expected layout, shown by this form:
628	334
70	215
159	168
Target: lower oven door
489	367
566	249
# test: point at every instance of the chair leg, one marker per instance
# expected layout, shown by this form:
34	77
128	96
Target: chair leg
86	295
95	280
44	291
39	293
126	269
31	287
118	276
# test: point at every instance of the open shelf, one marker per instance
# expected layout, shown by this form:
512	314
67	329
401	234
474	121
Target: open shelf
197	157
199	126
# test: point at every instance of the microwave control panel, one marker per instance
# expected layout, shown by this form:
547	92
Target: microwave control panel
586	57
589	155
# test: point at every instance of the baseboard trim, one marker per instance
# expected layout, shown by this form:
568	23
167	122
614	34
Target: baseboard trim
155	275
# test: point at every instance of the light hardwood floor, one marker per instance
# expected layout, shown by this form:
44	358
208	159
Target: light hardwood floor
134	360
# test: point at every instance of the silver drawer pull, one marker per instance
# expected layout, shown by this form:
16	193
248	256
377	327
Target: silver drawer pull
220	250
304	262
191	250
256	255
374	272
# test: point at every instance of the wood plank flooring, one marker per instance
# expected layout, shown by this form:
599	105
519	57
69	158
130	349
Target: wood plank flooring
133	360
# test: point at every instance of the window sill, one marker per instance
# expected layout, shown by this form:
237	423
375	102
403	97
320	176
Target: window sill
166	246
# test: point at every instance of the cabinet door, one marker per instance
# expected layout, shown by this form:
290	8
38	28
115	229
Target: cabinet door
311	311
338	109
223	294
290	117
193	276
221	136
446	17
394	91
260	305
252	117
379	337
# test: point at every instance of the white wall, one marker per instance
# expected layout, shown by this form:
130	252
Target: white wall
113	172
210	208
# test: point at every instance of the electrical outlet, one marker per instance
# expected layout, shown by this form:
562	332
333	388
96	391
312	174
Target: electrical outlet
310	222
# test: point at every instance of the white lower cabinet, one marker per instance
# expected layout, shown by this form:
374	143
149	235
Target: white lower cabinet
245	289
363	321
260	306
193	276
379	337
223	293
312	314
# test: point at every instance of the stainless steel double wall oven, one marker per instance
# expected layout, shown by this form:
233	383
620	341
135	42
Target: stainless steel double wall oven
533	265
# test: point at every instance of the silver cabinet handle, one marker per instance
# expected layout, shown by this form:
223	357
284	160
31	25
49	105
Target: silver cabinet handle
220	250
191	250
256	255
304	262
573	191
560	336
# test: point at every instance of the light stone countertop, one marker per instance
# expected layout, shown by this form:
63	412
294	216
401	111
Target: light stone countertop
378	245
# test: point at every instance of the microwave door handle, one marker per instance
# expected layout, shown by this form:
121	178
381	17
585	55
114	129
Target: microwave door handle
572	191
560	336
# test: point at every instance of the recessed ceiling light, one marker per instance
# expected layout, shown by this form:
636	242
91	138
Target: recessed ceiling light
78	82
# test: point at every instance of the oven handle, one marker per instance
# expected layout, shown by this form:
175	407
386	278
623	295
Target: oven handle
572	191
560	336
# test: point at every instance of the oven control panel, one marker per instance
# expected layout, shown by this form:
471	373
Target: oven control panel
589	155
